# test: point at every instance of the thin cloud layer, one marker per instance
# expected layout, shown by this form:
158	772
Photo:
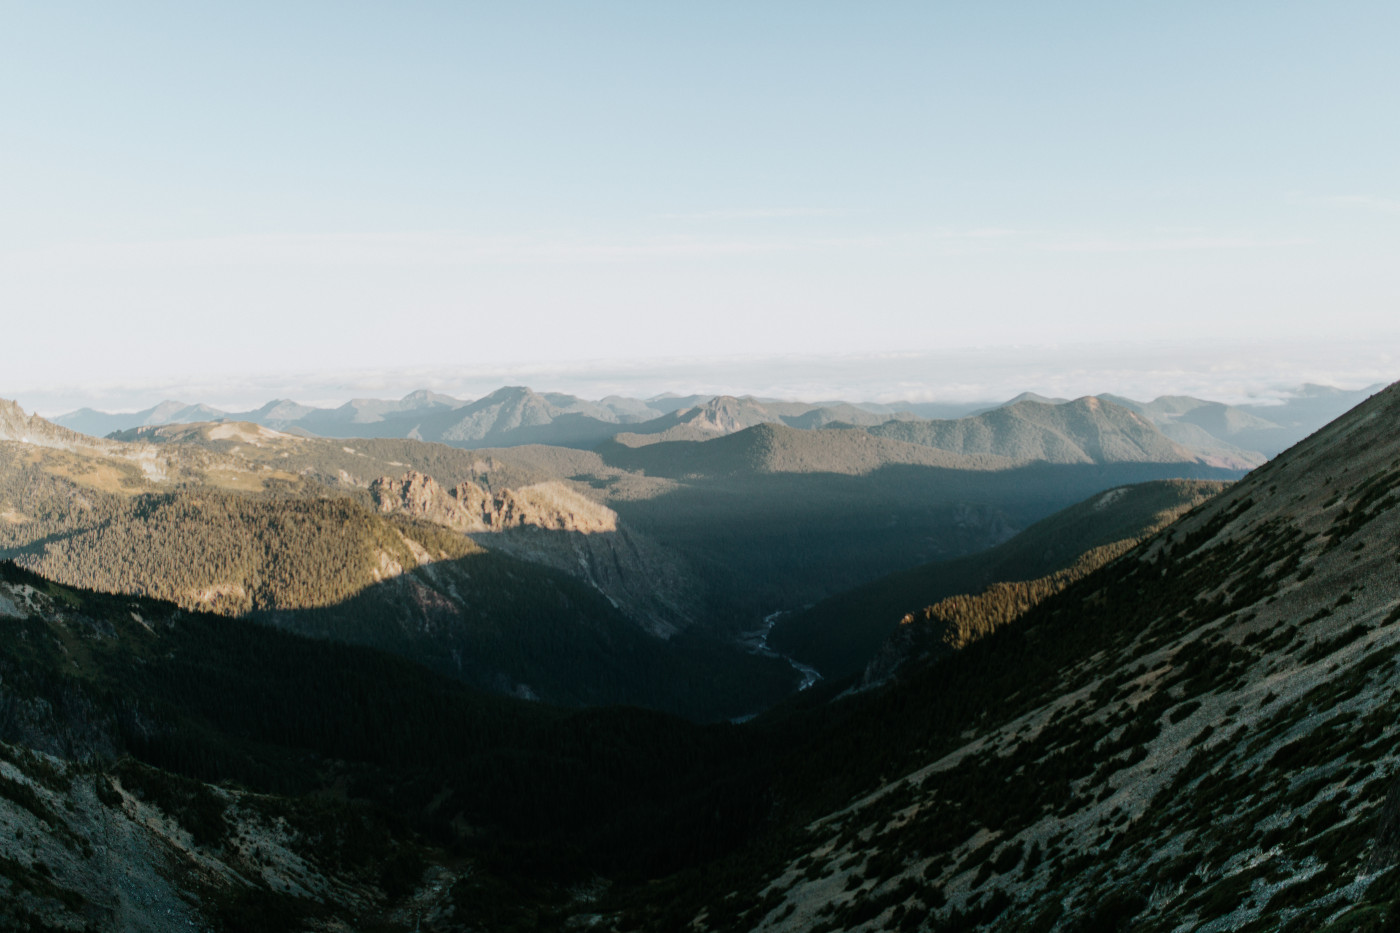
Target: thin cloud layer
1233	374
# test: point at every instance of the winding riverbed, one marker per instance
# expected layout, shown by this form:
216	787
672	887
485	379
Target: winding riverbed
757	642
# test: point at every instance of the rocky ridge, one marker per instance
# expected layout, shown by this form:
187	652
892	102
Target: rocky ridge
552	524
468	508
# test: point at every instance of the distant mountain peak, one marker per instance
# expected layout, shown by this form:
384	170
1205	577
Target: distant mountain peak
280	409
422	398
726	414
168	408
509	392
1033	397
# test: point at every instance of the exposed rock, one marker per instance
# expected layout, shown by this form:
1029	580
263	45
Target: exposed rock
552	505
469	508
552	524
155	465
15	425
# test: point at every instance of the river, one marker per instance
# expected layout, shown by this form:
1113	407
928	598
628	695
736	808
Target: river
757	642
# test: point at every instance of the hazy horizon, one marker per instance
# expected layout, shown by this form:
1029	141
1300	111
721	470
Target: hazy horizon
1236	374
324	200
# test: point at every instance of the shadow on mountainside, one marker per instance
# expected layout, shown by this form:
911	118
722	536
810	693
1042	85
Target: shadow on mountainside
839	635
529	789
519	629
763	542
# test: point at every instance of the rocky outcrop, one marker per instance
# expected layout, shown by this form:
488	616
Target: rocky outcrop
469	508
37	432
15	425
551	524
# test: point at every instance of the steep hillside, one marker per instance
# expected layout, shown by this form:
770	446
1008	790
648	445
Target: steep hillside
955	622
519	629
840	635
1198	736
217	774
233	553
124	846
468	507
552	524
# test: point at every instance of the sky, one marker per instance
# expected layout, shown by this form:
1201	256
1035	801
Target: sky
322	198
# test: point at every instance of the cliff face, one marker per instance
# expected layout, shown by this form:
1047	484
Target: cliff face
469	508
16	425
551	524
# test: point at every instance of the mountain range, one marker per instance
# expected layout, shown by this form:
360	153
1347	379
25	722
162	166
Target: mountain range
1166	707
735	526
510	416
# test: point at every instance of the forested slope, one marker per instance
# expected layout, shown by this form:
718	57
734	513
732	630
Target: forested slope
841	634
332	562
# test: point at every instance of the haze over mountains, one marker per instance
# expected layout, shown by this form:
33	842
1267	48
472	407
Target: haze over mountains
511	416
252	678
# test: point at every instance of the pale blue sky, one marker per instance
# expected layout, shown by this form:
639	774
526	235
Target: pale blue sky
219	191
